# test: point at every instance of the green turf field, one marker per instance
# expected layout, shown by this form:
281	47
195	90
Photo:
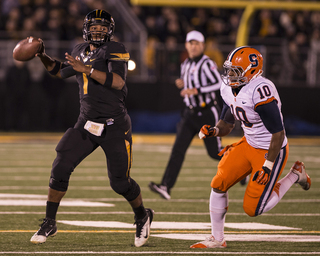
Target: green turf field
94	220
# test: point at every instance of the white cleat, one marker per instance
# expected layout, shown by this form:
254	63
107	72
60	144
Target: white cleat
304	180
48	228
143	229
210	242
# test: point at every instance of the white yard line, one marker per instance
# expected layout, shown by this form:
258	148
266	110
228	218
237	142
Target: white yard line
165	213
211	252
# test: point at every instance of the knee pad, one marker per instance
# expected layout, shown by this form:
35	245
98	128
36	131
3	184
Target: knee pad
128	188
60	174
58	185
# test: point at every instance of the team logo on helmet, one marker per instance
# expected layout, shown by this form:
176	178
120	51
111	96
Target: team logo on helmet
242	65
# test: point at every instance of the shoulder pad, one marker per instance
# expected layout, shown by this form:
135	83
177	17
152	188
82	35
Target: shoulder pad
117	52
79	48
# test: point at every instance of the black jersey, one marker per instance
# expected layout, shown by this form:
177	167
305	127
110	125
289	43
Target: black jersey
97	102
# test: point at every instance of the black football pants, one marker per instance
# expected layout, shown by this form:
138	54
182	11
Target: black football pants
77	143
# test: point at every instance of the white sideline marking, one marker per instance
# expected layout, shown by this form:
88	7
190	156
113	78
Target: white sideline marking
246	237
176	225
21	202
163	252
171	213
35	196
8	195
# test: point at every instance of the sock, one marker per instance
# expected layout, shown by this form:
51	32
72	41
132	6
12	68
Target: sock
218	207
139	212
51	210
280	189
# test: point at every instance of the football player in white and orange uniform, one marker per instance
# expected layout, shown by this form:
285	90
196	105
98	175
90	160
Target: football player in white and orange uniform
261	153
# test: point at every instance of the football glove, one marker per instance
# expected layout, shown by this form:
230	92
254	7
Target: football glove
207	131
262	176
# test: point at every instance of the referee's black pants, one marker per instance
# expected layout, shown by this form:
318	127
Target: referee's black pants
189	126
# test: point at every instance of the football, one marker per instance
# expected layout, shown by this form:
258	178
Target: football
27	48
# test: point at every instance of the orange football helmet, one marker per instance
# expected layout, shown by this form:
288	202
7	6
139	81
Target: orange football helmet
243	64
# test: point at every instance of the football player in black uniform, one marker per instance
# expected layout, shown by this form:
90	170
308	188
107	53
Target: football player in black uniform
100	67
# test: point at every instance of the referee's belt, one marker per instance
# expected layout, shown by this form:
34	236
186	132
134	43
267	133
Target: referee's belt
203	107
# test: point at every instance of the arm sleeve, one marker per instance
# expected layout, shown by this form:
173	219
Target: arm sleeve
118	67
226	114
271	116
67	71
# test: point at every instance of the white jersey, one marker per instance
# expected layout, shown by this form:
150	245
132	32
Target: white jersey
257	92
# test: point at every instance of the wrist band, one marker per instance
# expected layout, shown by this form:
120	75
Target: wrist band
90	72
109	79
268	164
217	131
56	68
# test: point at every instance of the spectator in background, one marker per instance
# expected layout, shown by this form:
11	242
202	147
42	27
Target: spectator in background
74	20
29	25
172	56
172	26
299	55
199	20
265	19
234	21
151	25
173	29
39	18
150	55
315	37
213	52
7	6
55	23
12	23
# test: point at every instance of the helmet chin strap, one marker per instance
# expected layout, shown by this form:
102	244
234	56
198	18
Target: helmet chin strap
96	44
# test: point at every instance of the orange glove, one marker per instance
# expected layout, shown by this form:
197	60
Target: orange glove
207	131
262	177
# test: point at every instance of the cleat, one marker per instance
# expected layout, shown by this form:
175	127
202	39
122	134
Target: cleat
143	228
162	190
47	228
304	180
210	242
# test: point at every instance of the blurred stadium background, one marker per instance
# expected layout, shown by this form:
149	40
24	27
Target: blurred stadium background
154	32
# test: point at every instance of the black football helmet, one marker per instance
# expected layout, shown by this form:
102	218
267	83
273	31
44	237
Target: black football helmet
98	17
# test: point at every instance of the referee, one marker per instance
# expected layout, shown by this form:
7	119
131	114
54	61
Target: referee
200	88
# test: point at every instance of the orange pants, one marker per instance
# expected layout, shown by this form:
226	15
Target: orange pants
239	160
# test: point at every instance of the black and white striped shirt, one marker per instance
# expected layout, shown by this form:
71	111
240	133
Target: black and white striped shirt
201	73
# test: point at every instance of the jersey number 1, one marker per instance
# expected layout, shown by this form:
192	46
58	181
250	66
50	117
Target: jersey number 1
85	83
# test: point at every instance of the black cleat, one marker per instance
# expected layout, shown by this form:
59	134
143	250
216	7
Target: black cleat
143	228
47	228
162	190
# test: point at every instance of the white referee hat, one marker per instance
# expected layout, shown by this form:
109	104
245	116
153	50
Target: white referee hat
195	35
